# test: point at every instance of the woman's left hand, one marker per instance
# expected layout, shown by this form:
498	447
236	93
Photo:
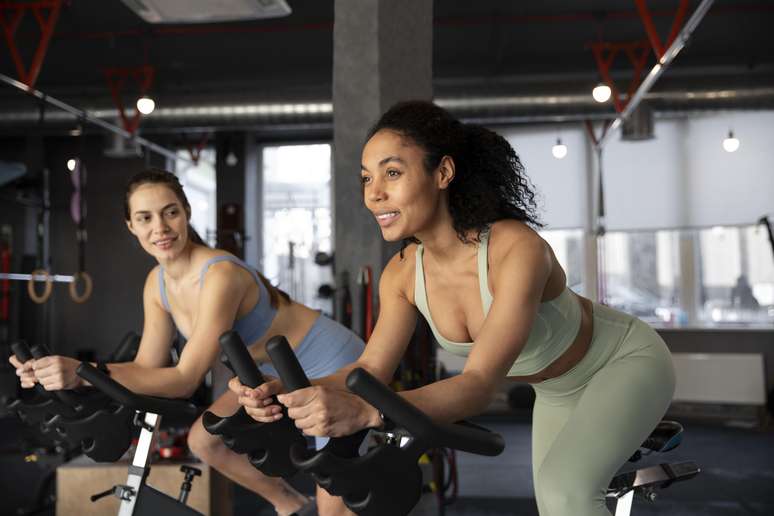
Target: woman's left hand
326	412
57	372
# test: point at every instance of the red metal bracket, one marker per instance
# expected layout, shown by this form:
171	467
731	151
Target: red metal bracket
116	79
195	149
592	134
605	53
11	14
650	28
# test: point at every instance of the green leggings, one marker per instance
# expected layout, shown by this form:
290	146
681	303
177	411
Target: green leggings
589	421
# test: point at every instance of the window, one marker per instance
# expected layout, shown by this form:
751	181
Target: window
297	220
639	274
568	248
736	283
198	180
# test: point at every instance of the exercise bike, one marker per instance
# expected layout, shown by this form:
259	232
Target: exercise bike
136	496
644	483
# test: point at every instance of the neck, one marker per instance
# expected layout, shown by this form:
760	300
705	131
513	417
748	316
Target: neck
177	267
441	241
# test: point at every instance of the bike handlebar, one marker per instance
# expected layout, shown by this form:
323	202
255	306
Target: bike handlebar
461	436
286	364
119	393
240	359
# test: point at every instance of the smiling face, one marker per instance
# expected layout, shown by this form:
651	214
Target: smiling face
397	189
157	217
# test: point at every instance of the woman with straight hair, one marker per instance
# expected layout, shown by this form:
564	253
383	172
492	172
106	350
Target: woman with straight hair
203	292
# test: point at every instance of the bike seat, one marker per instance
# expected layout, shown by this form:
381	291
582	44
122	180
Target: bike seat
667	436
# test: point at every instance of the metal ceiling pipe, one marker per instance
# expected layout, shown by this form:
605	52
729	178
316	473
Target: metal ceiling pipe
316	114
658	70
82	116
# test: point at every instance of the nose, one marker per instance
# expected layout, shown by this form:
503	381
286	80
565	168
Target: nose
376	190
160	225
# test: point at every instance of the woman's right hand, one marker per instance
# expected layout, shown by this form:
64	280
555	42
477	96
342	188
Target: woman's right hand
23	371
258	402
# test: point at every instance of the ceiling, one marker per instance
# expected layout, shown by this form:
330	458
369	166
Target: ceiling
486	48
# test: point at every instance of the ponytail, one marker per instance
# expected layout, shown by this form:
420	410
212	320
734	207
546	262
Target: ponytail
194	237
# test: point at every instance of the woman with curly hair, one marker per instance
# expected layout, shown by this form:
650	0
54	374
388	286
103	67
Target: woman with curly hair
491	289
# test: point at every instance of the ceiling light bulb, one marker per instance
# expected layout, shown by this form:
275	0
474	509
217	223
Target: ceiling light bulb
601	92
731	143
559	150
146	105
71	163
231	159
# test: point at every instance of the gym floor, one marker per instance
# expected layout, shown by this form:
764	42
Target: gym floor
736	479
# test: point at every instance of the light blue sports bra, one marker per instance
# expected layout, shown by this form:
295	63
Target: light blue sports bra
254	323
556	324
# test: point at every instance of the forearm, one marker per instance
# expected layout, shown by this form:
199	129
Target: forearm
452	399
338	380
166	382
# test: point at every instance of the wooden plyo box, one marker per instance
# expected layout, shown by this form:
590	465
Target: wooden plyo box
79	479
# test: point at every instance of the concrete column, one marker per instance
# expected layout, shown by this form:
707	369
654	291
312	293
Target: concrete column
382	53
591	238
253	168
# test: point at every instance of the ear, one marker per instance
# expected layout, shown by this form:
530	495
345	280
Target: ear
445	172
129	227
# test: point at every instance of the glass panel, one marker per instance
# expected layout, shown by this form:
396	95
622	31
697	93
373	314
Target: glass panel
640	275
198	182
736	276
568	248
297	221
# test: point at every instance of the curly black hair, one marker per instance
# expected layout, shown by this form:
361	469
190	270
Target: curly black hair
489	183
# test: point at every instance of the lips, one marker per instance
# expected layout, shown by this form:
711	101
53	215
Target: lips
386	218
165	243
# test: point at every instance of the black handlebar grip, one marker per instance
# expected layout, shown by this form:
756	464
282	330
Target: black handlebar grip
461	436
403	413
21	350
240	359
161	406
39	351
66	397
286	363
471	438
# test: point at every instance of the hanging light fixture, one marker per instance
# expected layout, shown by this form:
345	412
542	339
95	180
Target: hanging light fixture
146	105
71	164
601	92
731	143
559	150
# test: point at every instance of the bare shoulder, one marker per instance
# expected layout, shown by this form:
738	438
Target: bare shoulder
151	290
152	280
223	270
512	240
398	275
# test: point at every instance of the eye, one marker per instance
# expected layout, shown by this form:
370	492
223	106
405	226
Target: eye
365	179
391	172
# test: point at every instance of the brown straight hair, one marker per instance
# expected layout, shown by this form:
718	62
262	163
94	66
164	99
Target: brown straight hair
170	180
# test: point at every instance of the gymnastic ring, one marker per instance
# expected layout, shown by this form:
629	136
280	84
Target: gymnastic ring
87	284
39	299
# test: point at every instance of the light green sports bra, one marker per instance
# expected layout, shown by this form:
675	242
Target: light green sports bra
554	330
